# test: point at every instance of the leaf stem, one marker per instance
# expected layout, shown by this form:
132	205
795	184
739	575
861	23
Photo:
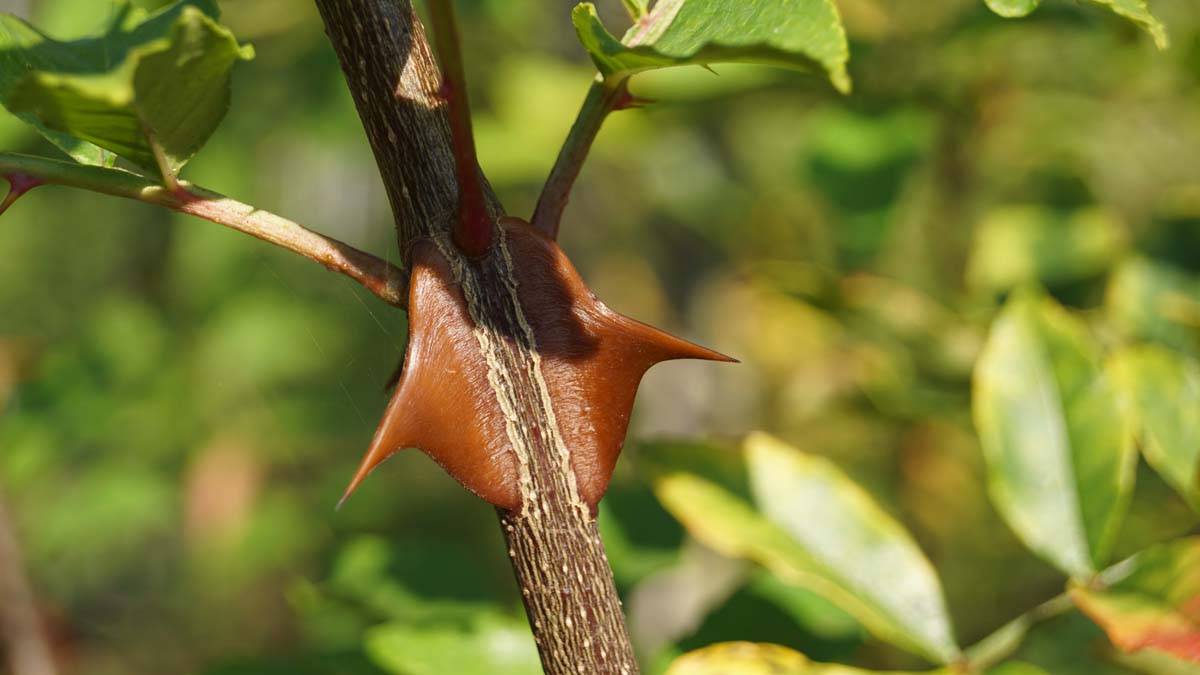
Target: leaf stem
473	228
380	277
604	96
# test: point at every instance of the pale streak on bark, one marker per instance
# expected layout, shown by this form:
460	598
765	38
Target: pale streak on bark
555	547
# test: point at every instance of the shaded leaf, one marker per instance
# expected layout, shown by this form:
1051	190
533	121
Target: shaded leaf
153	84
852	553
804	34
486	643
1059	454
1134	10
1157	606
1162	390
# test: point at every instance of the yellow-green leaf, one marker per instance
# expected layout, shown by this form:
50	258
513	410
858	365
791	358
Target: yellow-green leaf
1133	10
756	658
1059	452
1161	389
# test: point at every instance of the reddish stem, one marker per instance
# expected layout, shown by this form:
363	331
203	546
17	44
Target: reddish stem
18	185
473	228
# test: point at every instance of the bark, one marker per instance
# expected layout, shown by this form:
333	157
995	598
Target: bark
555	547
21	634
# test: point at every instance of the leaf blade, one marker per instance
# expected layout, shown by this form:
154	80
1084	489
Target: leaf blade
804	34
1059	452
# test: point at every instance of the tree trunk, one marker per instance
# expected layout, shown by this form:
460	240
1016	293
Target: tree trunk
555	547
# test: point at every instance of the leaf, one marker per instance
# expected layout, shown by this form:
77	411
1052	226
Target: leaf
1134	10
805	34
1012	8
1162	391
853	553
1152	301
1015	245
1157	606
636	8
153	84
488	643
757	658
1059	453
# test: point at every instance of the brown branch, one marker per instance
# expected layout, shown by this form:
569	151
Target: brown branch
557	554
380	277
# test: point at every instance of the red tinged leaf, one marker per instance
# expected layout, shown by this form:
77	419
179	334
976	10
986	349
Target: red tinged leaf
591	361
1157	606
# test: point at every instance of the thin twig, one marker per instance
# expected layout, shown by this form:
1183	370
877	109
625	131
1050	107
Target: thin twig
473	229
380	277
604	96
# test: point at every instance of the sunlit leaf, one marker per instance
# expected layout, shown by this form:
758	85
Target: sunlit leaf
152	89
756	658
1134	10
1059	452
843	546
1012	8
1152	301
484	644
1157	606
1020	244
791	33
1162	390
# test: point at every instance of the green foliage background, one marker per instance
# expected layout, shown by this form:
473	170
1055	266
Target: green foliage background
181	406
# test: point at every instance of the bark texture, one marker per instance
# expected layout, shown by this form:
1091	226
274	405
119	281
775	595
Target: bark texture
557	555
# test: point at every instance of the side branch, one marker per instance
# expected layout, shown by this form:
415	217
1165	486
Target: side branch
473	227
380	277
603	97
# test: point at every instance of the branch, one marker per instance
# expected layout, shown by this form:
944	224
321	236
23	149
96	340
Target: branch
21	631
473	228
380	277
604	96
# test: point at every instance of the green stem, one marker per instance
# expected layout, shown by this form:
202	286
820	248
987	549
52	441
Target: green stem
604	96
380	277
473	228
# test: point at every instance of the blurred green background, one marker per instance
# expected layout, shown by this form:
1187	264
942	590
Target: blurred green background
181	405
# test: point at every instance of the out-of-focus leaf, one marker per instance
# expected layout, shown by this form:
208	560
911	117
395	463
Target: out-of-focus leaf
484	644
1151	301
1012	8
154	83
1162	390
1020	244
852	553
1059	452
840	525
757	658
1157	606
1134	10
792	33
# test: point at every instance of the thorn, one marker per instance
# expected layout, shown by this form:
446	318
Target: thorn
18	185
388	439
709	69
627	101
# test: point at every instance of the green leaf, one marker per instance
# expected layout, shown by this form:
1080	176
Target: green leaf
1012	8
757	658
1157	606
152	89
1162	391
1059	453
488	643
1015	245
1151	301
820	531
1134	10
804	34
